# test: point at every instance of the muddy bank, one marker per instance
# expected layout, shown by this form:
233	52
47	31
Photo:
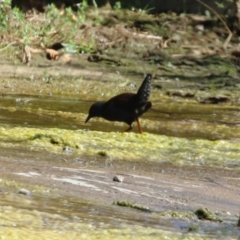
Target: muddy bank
80	192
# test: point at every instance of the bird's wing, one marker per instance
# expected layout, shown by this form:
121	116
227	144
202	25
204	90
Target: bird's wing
122	102
120	108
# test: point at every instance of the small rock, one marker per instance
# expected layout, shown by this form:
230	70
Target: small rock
118	178
205	214
68	149
24	192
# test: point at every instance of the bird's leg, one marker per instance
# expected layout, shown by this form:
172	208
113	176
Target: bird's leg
128	129
139	127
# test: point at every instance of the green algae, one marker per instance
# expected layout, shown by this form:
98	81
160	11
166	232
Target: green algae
102	153
201	213
31	219
193	228
205	214
123	203
184	215
54	217
16	185
128	146
24	224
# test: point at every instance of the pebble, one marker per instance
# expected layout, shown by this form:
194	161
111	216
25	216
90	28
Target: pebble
118	178
24	192
68	149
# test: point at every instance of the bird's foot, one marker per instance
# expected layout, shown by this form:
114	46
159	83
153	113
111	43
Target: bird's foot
128	129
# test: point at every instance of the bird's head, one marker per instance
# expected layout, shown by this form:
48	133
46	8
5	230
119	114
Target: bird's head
95	111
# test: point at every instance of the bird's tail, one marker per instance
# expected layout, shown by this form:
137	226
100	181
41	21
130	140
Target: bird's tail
144	90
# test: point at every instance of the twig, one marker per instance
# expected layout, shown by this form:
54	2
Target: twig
147	36
223	22
12	43
94	3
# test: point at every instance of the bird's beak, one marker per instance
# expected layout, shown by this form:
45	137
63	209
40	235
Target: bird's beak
87	119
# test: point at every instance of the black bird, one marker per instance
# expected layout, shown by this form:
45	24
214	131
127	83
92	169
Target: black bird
125	107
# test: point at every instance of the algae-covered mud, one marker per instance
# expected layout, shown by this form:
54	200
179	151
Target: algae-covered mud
63	179
62	196
128	146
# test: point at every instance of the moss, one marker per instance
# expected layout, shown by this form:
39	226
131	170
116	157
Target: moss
177	214
16	185
102	154
126	146
55	140
205	214
193	228
130	205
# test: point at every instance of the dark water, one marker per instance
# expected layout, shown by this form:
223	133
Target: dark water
40	111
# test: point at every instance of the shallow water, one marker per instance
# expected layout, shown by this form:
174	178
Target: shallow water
173	119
